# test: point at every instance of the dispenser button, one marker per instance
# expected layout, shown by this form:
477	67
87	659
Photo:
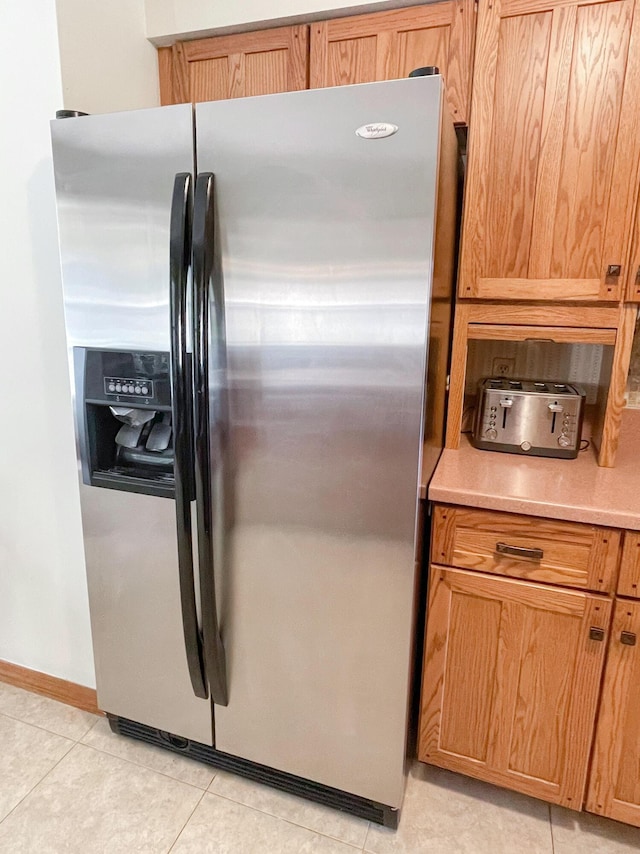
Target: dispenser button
145	390
118	387
130	389
112	387
137	389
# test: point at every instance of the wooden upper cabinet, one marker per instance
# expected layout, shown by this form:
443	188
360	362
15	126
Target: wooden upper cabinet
614	788
511	680
554	150
258	63
387	45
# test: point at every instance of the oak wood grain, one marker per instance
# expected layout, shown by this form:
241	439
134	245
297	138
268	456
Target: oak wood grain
558	334
629	578
165	75
525	288
633	268
236	66
552	83
443	285
492	648
574	554
515	140
614	784
352	61
180	74
596	317
552	141
593	110
459	352
50	686
606	431
386	45
626	172
467	702
525	7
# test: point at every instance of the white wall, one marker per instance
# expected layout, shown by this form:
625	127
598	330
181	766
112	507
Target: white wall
107	63
44	620
168	19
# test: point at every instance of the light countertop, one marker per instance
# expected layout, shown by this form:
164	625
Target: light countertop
577	490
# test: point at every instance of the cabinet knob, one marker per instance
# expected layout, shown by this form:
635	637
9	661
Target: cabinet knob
596	633
628	638
614	270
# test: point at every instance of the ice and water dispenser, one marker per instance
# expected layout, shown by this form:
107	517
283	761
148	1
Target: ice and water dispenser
126	434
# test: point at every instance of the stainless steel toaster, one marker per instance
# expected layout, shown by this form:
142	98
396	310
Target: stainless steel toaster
542	419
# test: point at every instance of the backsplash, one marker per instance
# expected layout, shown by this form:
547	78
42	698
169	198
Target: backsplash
633	383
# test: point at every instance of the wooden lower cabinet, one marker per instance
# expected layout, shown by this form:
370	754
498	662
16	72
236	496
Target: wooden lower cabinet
511	681
614	786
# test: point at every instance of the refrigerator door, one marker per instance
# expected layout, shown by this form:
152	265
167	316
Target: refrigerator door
325	246
114	181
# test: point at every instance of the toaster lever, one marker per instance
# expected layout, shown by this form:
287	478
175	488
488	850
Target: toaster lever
556	407
507	402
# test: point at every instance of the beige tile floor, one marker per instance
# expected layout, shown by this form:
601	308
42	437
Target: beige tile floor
69	786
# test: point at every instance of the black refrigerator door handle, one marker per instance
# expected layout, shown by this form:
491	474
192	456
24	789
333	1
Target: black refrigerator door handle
203	284
179	260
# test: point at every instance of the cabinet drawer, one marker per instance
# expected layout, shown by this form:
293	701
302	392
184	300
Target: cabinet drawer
566	553
629	581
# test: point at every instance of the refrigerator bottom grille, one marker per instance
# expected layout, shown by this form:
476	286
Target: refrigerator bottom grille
361	807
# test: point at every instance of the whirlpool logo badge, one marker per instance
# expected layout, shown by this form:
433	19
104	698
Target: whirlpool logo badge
376	130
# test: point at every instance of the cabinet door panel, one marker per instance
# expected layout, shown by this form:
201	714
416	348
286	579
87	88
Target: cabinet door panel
511	681
467	705
614	786
385	45
548	205
258	63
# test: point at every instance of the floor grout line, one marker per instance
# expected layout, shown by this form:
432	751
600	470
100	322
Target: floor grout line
288	820
44	728
190	816
140	765
553	845
44	777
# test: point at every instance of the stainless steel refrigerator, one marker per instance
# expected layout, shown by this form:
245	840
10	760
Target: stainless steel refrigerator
257	300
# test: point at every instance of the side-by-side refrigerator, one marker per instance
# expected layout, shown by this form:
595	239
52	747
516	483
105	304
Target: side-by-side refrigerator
257	298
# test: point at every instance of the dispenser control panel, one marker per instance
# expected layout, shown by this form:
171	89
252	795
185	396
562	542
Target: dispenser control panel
138	378
129	386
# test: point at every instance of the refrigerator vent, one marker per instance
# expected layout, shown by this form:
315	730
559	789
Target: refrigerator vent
361	807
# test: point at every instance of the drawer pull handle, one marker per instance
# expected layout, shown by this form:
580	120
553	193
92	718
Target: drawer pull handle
628	638
519	551
596	633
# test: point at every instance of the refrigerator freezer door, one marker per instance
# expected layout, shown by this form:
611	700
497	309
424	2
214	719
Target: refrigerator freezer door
325	256
114	180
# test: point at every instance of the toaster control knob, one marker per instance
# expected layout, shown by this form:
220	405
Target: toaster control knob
526	446
564	441
491	433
